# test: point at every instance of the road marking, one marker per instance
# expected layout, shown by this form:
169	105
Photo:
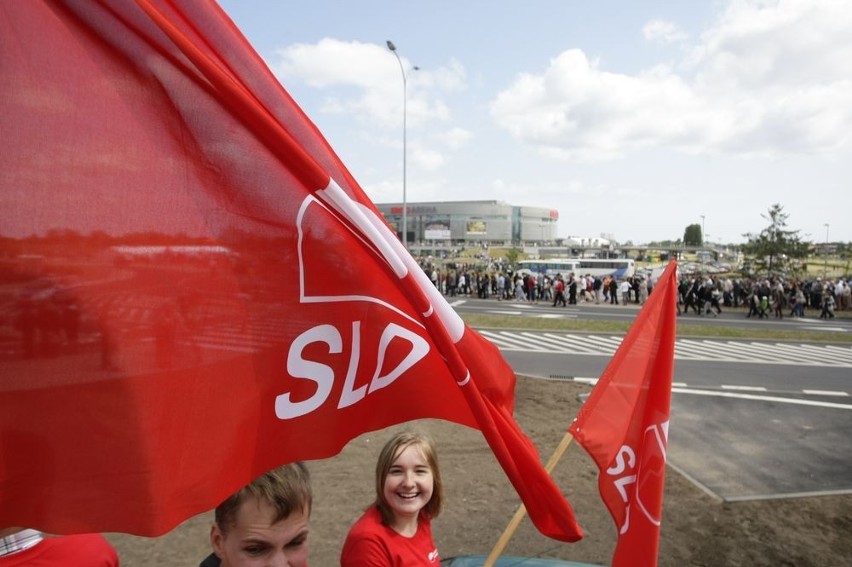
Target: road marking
789	354
793	401
732	392
824	393
505	312
832	329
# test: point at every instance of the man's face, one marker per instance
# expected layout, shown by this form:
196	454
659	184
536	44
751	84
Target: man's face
253	540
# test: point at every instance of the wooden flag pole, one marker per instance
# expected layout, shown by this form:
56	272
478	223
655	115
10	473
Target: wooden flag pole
522	511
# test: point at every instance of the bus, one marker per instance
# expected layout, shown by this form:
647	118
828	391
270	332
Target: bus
620	268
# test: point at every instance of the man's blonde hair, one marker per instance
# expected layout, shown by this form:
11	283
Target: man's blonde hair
287	489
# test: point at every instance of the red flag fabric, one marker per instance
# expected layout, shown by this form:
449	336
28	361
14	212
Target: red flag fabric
625	421
194	288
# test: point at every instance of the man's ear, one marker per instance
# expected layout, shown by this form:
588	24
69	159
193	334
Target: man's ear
217	540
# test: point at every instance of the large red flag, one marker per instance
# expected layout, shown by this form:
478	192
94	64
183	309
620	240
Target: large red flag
194	288
624	425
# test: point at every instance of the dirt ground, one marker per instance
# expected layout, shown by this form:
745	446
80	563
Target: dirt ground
697	530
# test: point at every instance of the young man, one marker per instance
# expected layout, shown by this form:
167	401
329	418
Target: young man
265	522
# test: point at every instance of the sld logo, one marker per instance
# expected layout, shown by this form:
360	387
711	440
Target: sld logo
386	349
640	481
323	374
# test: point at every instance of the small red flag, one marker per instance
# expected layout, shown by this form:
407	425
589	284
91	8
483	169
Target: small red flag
624	425
199	289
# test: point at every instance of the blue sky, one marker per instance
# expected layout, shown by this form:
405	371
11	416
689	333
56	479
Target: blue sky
632	119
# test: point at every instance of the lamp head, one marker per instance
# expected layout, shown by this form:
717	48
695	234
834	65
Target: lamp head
391	46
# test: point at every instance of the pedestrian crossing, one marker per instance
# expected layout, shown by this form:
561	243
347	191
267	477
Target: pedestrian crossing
752	352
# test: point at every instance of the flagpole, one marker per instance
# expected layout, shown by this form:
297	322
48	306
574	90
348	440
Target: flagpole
513	524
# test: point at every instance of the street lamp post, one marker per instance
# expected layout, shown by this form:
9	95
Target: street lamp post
392	47
703	237
825	254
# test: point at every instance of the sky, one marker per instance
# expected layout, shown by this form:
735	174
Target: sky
632	119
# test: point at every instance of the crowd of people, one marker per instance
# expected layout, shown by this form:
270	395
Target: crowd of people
501	282
699	294
766	297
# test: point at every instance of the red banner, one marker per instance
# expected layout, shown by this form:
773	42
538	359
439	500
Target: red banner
194	289
624	425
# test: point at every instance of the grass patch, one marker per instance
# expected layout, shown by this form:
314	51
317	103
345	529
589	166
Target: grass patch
620	327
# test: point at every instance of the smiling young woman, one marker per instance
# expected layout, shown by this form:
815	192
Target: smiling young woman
396	530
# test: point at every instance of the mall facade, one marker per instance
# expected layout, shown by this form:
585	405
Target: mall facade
461	222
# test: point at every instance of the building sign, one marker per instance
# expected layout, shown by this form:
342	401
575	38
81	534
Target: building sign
415	210
437	231
476	227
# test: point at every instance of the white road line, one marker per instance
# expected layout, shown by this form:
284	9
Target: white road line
749	352
825	393
568	345
793	401
681	387
813	352
598	340
505	312
545	341
786	354
512	341
712	350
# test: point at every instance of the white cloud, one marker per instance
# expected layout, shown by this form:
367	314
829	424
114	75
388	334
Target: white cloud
768	78
370	70
424	158
455	138
663	32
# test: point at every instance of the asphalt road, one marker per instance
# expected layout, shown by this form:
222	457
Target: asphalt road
750	419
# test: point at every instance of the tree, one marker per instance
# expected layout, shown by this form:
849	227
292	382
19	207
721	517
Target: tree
512	256
692	235
774	246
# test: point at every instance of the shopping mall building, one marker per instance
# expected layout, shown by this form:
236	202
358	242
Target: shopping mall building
461	222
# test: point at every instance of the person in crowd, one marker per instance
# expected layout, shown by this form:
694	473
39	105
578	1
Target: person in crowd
559	291
625	288
520	293
532	289
763	307
597	286
22	546
265	522
828	305
396	529
572	290
613	291
779	300
643	291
